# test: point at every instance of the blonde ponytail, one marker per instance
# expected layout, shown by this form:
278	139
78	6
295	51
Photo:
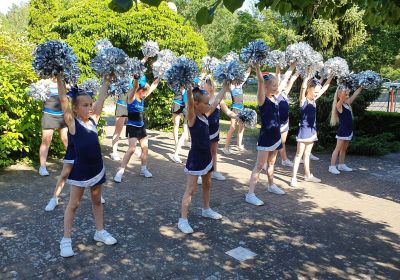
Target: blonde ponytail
334	115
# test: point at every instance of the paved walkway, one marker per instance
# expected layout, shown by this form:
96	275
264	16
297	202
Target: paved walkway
344	228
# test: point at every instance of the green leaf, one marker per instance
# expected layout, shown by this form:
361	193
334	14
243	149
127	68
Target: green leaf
152	2
261	5
233	5
120	6
203	17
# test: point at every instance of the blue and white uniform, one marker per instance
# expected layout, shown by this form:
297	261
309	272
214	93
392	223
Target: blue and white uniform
237	99
135	125
70	152
53	115
345	130
179	101
199	160
121	107
308	123
213	121
88	169
270	134
283	103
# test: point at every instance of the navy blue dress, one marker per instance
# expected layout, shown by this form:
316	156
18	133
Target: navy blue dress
345	130
308	123
270	134
283	111
70	152
213	121
199	160
88	169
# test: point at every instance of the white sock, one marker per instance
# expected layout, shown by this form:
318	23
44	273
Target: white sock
121	171
143	168
183	220
66	239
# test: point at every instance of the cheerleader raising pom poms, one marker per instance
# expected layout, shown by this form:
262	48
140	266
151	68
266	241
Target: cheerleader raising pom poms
199	162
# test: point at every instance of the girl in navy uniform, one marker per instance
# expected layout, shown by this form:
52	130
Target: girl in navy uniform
310	91
88	170
269	140
121	115
52	118
342	114
237	106
199	162
135	128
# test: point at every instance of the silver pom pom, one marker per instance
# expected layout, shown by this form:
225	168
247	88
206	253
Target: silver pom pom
135	67
209	63
102	44
276	58
230	56
311	60
119	87
150	49
255	52
248	117
110	61
350	81
231	71
181	74
52	57
40	91
336	67
90	86
369	79
165	59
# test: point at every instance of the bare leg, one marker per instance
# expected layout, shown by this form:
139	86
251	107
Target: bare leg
262	157
73	204
240	135
47	135
67	167
179	145
119	125
230	134
335	153
63	135
144	145
214	147
129	152
343	151
307	153
191	187
206	182
282	151
271	164
97	207
299	153
176	119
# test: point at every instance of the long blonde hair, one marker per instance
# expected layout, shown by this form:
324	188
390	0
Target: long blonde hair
334	115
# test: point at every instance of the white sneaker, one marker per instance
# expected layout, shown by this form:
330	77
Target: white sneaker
102	200
311	178
115	157
53	202
199	180
253	199
242	149
146	173
332	169
218	176
118	176
105	237
43	171
275	189
183	225
312	157
227	151
209	213
176	159
344	167
287	163
293	182
66	248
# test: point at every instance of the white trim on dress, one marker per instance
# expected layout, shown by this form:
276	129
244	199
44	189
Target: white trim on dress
214	135
88	183
270	148
200	172
91	126
203	119
70	161
285	127
310	139
348	138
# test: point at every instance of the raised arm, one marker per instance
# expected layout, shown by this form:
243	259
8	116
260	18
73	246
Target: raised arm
324	87
133	90
261	87
68	115
292	79
220	96
246	76
144	59
98	105
283	83
278	74
226	110
303	89
340	103
153	86
190	114
354	96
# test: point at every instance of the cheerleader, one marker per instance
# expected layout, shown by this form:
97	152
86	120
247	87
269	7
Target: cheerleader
199	162
237	106
310	91
135	128
269	140
52	119
88	170
177	110
185	134
342	114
